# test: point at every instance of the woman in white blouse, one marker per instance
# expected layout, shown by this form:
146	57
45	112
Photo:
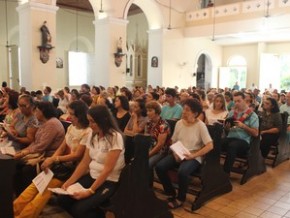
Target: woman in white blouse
100	168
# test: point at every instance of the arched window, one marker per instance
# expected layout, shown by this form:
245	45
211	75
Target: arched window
235	74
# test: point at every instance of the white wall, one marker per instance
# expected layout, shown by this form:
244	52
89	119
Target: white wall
179	50
250	53
66	38
13	34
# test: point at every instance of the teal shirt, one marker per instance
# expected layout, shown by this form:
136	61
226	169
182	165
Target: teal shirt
252	121
170	113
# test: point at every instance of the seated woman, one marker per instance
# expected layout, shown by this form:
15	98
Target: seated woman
217	112
30	203
48	138
100	168
24	125
135	125
12	99
193	134
160	132
197	97
138	120
3	104
121	112
270	126
74	95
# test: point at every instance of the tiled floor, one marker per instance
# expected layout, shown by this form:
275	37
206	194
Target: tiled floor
266	195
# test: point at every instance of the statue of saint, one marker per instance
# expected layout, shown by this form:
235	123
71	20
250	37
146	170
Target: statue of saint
119	45
45	36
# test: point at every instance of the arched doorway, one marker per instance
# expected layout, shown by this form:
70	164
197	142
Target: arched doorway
203	71
137	48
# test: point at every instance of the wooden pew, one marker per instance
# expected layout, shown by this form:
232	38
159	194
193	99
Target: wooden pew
214	181
252	164
134	198
280	151
7	169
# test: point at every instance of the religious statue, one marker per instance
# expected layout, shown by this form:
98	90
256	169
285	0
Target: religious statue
119	54
45	36
119	45
45	46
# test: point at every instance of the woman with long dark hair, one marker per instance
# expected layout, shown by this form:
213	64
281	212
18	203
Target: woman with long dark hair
270	126
103	159
30	203
121	112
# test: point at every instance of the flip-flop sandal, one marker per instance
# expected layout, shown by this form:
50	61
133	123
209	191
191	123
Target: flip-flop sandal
174	204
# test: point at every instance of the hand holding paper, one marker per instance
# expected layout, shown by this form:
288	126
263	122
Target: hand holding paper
180	150
42	179
77	187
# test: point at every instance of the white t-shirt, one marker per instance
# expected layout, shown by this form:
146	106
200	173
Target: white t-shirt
62	104
99	148
213	118
75	136
193	137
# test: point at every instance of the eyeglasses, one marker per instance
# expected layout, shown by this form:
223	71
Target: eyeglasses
23	105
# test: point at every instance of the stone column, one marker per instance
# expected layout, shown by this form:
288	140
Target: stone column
108	31
155	49
34	73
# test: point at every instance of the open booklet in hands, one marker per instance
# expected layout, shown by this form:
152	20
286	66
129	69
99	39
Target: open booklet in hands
77	187
179	149
6	147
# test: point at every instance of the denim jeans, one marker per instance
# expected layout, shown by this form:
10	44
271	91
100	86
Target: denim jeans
88	207
152	162
233	148
185	169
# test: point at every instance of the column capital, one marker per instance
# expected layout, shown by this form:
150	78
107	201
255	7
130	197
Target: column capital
37	6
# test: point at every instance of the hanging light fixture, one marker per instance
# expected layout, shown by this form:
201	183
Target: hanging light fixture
77	31
267	14
169	16
101	7
6	23
213	24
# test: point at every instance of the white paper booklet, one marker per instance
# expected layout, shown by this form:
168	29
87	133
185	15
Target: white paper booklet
179	149
42	179
77	187
8	150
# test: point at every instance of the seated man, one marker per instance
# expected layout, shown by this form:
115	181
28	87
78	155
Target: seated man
245	125
171	111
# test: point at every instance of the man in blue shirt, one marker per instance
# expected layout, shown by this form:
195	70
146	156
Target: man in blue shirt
245	125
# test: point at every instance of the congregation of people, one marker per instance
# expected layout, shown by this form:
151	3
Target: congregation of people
89	132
